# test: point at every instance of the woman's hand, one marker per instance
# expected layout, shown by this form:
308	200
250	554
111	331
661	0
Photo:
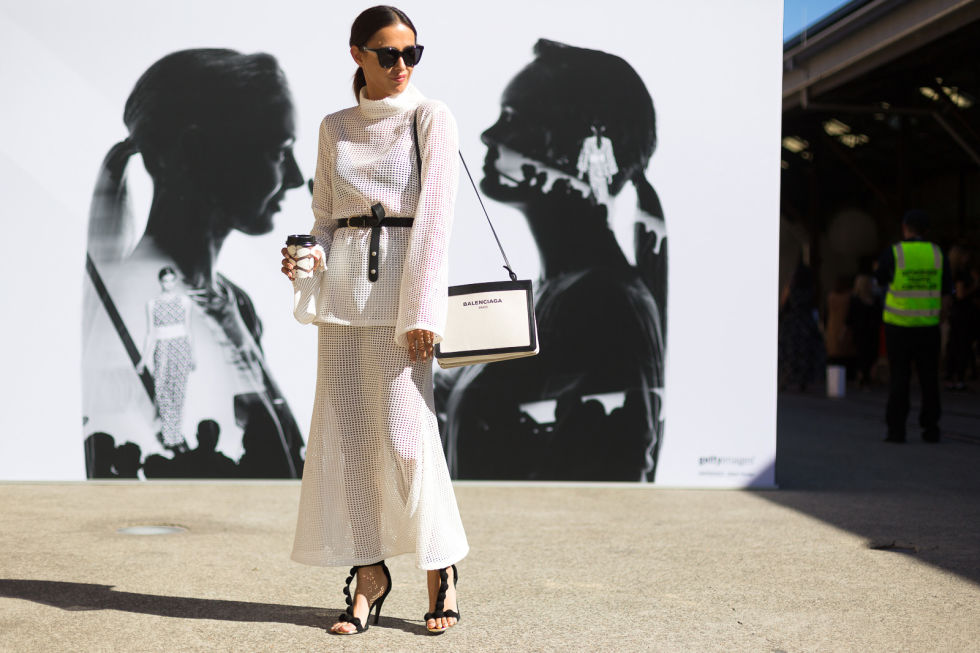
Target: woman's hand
289	265
420	345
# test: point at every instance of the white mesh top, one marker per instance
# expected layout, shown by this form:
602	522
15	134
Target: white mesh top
375	480
367	155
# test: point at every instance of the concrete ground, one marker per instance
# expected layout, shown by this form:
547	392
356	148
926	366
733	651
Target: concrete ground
866	547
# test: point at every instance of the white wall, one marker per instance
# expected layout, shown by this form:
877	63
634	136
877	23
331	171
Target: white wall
713	68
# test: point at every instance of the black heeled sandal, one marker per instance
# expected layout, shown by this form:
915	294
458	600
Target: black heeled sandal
348	616
439	612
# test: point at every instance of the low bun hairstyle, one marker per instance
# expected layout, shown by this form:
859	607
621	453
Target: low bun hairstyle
366	24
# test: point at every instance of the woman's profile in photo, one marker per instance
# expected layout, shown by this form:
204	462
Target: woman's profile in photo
576	127
214	129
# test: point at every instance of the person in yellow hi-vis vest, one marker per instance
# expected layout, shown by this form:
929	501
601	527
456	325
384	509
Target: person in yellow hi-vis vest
916	274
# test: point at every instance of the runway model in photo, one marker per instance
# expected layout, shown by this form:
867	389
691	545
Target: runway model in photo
376	482
168	345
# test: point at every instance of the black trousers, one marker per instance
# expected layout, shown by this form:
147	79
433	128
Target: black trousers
905	346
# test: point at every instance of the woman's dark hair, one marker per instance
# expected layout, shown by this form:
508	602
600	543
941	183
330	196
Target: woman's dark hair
802	278
166	272
208	89
366	24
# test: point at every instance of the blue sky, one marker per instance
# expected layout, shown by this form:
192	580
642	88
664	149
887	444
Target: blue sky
797	14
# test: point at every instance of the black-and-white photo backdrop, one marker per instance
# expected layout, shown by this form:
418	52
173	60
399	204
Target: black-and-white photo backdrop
154	157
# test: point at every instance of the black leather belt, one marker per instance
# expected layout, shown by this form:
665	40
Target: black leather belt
375	221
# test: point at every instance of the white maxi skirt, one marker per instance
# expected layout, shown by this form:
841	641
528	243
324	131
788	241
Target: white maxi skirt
375	481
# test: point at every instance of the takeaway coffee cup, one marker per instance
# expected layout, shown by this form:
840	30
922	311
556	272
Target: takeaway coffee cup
300	249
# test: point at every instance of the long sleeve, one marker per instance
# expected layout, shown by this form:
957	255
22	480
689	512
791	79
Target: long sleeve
423	295
583	157
306	291
609	159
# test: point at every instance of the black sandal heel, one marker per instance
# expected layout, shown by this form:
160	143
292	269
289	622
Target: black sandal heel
439	612
348	616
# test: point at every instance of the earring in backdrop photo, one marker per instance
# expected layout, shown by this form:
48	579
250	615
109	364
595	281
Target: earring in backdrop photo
597	159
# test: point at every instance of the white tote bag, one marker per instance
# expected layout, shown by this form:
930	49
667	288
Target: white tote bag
488	322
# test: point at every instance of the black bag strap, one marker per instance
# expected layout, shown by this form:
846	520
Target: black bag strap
127	341
418	153
418	159
510	271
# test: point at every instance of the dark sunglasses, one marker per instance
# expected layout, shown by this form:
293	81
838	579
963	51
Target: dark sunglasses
387	57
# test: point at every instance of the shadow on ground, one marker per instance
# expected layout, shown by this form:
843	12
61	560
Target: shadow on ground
88	596
914	498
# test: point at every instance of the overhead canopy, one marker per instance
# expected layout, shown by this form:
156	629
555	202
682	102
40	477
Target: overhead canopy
880	114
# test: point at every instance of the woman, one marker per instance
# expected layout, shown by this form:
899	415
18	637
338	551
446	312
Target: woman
959	352
376	482
214	129
838	337
563	157
864	321
801	352
168	341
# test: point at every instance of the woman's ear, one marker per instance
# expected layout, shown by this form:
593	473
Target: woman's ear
357	55
197	158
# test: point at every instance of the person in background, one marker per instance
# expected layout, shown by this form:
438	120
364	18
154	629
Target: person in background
127	460
916	274
837	335
959	350
100	452
206	461
801	348
864	323
974	346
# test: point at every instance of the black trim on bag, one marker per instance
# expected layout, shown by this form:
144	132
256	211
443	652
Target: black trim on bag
497	286
490	286
485	352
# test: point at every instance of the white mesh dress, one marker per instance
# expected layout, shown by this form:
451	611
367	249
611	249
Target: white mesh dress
375	482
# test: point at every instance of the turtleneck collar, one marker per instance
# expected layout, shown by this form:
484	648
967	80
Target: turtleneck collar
407	100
